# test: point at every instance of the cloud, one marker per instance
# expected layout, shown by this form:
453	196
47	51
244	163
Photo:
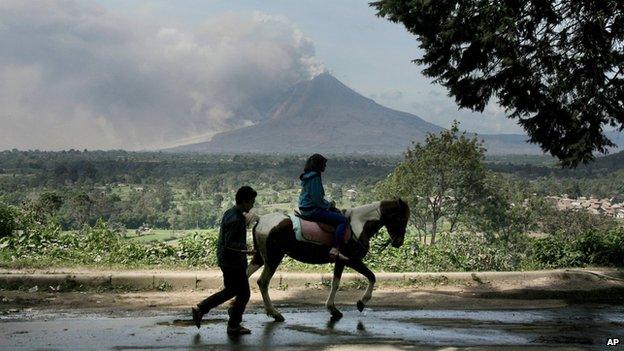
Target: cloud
75	75
435	107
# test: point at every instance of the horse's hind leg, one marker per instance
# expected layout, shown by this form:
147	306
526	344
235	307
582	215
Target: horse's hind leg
255	264
263	283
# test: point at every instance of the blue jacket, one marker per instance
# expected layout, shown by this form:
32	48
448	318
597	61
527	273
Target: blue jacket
312	193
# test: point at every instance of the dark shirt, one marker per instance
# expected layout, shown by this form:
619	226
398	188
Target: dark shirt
232	239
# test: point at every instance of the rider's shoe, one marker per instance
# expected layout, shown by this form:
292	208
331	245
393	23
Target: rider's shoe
197	316
238	330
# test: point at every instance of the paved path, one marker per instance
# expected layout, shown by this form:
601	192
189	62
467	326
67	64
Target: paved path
570	328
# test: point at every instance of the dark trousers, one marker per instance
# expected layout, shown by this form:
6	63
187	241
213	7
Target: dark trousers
331	218
236	285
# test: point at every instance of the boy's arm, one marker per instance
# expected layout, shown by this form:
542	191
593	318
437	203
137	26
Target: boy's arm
233	232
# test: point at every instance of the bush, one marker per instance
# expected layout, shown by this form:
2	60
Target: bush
589	248
453	252
33	243
7	220
100	245
604	249
553	252
199	249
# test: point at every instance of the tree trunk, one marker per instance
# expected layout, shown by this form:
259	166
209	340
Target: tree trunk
434	228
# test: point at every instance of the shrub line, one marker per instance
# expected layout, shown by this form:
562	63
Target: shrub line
188	280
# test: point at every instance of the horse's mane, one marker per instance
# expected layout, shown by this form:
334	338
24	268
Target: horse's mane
364	207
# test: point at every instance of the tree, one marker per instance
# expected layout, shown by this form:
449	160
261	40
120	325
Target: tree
217	200
49	202
440	180
164	196
508	211
556	66
80	209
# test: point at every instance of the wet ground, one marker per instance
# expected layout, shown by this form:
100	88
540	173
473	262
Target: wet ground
574	328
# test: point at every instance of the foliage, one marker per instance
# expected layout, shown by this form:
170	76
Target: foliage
49	202
441	179
126	190
556	66
36	244
199	249
160	190
7	220
576	238
570	223
453	252
589	248
100	245
507	211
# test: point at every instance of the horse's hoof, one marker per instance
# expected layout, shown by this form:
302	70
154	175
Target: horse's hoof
360	305
335	314
278	318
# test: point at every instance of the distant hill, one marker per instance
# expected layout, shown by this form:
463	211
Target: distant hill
324	115
533	167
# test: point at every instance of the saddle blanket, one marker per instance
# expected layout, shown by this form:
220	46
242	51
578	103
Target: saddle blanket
311	232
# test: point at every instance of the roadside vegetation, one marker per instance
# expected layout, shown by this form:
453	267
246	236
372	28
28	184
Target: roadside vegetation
152	210
45	245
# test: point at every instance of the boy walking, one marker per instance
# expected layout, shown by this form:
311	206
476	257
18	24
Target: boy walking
231	257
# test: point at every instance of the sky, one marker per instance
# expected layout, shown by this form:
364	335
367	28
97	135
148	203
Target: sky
135	74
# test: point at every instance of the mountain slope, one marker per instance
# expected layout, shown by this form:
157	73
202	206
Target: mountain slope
323	115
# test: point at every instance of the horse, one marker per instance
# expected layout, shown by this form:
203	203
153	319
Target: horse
274	237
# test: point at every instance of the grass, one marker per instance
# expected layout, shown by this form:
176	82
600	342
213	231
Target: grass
159	235
162	235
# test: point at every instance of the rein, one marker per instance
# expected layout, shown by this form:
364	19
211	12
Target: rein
383	246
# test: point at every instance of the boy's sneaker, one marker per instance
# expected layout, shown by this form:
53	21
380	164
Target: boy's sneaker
238	330
197	316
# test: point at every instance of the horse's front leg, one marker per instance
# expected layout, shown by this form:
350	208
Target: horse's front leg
338	268
361	268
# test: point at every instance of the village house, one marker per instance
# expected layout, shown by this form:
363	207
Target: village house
591	205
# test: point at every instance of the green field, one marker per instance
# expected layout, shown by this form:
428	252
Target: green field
163	235
160	235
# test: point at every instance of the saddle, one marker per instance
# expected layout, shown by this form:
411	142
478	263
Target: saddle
311	231
324	226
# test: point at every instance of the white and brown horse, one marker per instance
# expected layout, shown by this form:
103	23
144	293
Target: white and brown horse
274	237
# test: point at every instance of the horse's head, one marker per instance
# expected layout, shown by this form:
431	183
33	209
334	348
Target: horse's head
394	216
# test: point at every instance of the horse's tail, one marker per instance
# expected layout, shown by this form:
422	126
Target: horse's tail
257	257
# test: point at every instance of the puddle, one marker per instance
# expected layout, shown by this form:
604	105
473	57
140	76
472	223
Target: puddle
318	331
312	328
190	323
